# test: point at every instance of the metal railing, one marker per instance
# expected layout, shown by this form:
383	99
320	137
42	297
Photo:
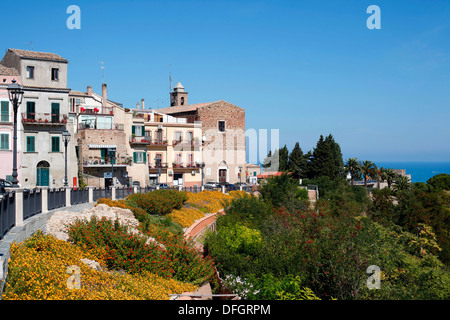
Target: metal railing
7	213
56	198
78	196
101	193
32	203
43	118
123	192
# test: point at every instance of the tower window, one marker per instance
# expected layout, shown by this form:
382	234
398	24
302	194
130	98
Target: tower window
221	126
182	101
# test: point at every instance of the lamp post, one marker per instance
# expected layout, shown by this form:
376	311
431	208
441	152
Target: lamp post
111	152
66	139
240	175
15	94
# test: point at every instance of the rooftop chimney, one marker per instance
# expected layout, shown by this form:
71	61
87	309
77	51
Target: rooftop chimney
137	105
142	103
89	90
104	95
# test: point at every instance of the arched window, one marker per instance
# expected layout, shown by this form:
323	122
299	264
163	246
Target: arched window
182	101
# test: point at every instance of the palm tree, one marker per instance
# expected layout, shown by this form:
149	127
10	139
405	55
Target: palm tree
401	183
381	176
390	176
352	166
368	170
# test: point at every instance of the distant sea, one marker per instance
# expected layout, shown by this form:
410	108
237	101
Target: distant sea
419	171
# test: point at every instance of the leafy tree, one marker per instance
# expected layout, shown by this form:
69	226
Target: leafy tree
440	181
390	176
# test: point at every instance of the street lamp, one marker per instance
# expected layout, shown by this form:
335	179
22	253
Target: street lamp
240	175
66	139
158	165
111	152
15	94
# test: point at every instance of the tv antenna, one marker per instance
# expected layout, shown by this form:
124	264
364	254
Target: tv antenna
103	71
170	78
31	45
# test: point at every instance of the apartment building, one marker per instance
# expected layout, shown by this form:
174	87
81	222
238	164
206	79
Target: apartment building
43	117
223	133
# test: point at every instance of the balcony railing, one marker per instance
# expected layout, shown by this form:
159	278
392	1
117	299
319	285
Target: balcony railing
140	140
156	142
183	165
186	142
43	119
98	161
115	126
158	164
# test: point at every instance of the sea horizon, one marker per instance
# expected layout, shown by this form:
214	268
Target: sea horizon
420	171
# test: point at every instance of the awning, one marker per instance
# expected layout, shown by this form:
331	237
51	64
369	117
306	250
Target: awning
102	146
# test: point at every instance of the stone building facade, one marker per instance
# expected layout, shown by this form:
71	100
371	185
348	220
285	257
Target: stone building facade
223	134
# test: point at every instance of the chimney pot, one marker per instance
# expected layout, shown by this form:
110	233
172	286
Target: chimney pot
89	90
104	95
142	104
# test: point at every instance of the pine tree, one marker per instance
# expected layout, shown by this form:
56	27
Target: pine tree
326	159
284	158
297	162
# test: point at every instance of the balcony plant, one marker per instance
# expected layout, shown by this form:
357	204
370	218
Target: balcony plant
82	109
96	110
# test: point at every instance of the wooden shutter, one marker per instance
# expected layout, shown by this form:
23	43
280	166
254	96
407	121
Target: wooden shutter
5	111
135	157
144	157
133	130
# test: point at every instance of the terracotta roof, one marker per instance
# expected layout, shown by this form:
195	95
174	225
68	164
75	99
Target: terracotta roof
269	174
186	108
78	93
37	55
5	71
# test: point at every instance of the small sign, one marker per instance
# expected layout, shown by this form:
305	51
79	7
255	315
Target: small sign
107	175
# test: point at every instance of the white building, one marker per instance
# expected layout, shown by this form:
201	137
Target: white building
43	117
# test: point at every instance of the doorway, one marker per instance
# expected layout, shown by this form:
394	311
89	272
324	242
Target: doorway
178	179
222	175
43	174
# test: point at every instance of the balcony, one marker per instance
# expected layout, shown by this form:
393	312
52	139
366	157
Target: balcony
156	142
99	162
43	119
185	166
140	140
111	126
158	165
187	143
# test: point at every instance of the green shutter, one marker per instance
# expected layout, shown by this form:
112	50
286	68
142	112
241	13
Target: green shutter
4	141
133	130
5	111
143	131
30	144
134	157
103	153
144	156
55	144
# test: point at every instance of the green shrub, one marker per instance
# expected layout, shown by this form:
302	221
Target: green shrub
159	202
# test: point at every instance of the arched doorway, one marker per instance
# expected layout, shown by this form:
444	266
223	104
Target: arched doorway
223	172
43	174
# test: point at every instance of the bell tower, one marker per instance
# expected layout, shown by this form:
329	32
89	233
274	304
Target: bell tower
178	97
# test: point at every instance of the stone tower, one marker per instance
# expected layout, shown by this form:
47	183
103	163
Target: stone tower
178	97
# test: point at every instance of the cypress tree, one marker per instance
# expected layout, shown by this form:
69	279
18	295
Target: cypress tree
297	162
284	158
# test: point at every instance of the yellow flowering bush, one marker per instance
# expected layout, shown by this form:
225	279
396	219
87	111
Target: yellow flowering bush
113	203
208	201
186	216
38	270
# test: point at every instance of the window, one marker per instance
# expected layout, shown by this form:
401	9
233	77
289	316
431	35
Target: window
4	111
222	126
158	160
138	131
55	112
30	72
178	135
4	141
30	144
139	157
55	144
55	74
178	159
190	160
30	110
182	101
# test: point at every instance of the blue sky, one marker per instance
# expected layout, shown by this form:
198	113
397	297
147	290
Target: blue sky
304	67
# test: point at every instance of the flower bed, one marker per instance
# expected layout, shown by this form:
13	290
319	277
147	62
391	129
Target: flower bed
38	270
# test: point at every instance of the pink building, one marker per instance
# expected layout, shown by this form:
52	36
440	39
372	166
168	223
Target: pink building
7	125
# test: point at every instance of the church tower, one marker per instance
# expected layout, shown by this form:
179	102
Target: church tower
178	97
